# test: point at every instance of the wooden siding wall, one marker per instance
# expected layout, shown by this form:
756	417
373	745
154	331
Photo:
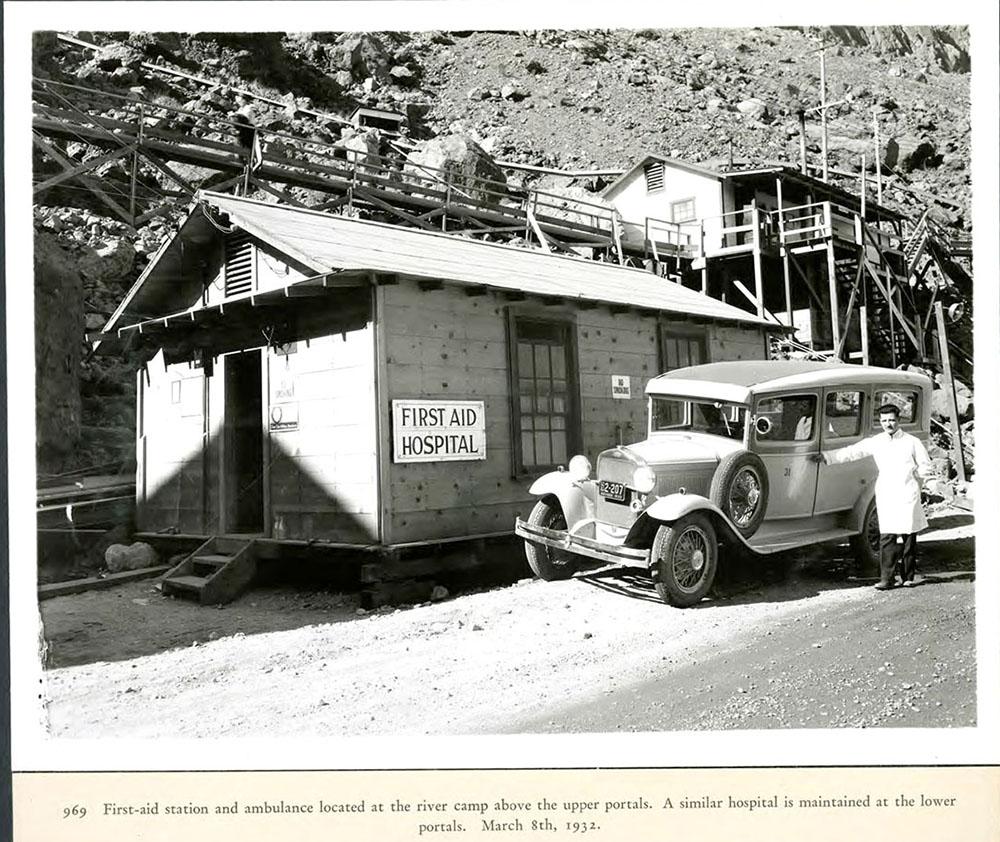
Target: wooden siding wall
172	462
445	344
323	472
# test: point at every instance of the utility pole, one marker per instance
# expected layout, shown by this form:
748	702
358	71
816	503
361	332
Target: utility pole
822	105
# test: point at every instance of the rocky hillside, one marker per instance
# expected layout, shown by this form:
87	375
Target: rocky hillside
560	99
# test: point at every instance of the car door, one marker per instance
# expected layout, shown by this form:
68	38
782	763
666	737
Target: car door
844	415
784	442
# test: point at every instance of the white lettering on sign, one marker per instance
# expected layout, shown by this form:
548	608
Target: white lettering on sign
621	386
438	431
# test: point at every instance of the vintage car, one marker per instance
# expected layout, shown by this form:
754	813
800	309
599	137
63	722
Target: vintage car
730	459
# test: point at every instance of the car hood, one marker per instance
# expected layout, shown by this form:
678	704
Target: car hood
682	448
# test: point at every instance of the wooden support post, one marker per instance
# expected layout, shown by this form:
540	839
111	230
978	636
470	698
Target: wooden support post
704	259
802	143
788	291
758	279
863	312
831	269
878	159
948	384
864	186
822	101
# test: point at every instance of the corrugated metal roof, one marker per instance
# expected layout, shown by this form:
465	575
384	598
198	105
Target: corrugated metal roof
326	242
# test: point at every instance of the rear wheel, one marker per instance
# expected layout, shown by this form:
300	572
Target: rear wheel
684	559
865	545
545	562
739	487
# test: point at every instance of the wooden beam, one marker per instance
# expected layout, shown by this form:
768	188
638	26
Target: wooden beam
402	214
81	169
166	170
893	309
850	310
808	283
67	164
831	271
280	194
948	384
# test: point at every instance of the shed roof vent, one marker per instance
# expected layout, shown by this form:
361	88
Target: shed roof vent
654	176
239	264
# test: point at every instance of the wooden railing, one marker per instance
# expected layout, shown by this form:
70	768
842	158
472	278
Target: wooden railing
665	238
171	133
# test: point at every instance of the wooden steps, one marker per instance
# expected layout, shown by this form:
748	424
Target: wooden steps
217	572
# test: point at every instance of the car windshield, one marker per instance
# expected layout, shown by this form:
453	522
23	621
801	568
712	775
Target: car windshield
713	417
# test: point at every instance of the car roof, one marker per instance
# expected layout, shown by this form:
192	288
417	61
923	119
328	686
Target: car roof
736	380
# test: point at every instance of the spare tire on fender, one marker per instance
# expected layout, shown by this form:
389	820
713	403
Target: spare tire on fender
740	488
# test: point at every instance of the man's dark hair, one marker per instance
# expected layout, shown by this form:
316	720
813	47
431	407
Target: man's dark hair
888	408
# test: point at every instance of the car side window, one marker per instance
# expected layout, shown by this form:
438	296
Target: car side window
789	418
906	401
843	414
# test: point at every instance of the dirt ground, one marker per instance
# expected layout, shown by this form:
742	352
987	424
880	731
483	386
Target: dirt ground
132	662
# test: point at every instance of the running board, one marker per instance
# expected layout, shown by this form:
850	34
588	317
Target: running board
793	540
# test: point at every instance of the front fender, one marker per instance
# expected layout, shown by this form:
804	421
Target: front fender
675	506
577	498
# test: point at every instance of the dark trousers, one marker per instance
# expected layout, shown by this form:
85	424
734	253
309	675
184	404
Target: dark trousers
889	554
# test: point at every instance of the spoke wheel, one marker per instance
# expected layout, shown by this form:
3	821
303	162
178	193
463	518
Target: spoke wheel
740	489
745	496
684	560
545	562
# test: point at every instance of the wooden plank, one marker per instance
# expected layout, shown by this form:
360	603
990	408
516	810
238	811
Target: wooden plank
948	384
96	583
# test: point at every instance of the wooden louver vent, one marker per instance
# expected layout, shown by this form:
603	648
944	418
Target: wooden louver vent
654	176
239	264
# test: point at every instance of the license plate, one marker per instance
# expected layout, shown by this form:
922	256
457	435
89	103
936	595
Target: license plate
614	491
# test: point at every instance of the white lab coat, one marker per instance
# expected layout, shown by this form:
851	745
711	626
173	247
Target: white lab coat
902	462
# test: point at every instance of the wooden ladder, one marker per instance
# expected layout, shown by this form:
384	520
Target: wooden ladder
217	572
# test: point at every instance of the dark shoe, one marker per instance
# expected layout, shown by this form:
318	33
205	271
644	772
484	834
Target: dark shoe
884	586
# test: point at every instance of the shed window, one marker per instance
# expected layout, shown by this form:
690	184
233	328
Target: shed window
682	210
680	348
654	176
546	423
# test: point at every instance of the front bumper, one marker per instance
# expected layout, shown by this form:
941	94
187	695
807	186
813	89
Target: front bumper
559	539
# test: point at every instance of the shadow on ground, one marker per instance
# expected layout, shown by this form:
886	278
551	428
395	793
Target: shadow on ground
800	574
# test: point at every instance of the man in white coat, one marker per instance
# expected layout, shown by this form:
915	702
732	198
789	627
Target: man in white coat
902	464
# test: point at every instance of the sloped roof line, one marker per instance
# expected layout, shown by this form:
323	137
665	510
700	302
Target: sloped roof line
327	242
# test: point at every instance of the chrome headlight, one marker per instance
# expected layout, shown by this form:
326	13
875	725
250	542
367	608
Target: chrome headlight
643	479
579	468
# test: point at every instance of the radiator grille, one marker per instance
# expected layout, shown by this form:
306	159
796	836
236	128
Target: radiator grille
615	470
239	264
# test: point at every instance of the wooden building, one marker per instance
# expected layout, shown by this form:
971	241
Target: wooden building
313	377
781	244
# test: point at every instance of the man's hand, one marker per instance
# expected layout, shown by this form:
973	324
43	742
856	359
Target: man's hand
818	457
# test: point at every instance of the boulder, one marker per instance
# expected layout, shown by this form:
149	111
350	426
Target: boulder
402	75
107	262
753	108
909	153
114	56
362	147
363	55
514	92
119	557
459	160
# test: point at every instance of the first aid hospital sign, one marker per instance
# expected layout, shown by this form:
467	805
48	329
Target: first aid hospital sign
438	431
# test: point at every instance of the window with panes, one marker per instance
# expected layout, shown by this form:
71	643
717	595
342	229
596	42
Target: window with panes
545	417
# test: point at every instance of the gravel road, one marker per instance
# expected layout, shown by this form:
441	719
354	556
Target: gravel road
804	645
